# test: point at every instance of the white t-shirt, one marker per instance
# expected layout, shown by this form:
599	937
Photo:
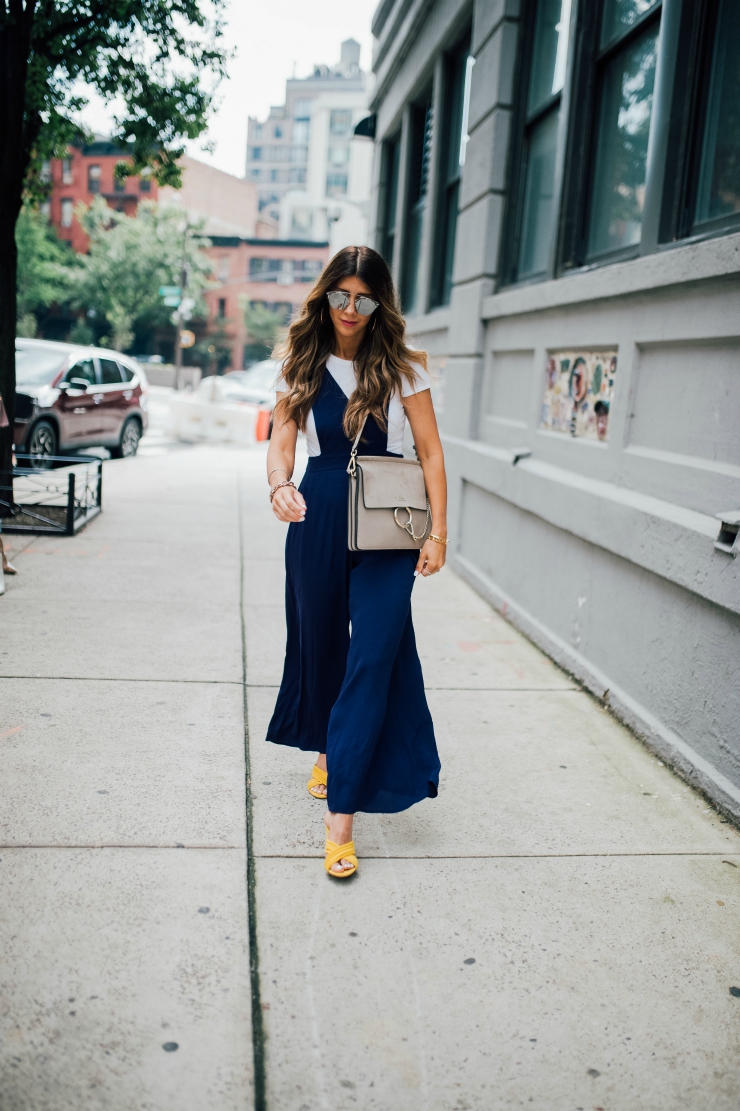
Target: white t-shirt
344	374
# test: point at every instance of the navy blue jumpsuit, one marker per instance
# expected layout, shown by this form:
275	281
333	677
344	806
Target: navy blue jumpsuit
359	698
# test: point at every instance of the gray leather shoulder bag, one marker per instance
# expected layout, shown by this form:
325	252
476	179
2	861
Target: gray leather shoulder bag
387	505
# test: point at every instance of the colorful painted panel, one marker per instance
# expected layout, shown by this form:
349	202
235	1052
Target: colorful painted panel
579	386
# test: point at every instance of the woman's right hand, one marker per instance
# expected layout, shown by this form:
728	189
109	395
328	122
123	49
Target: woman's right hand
288	504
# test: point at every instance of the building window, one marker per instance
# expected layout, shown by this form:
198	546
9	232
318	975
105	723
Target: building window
274	175
256	154
416	199
297	175
336	184
119	184
257	131
339	155
306	270
145	181
302	107
67	176
391	164
718	184
264	269
68	208
528	247
300	130
278	132
298	154
301	223
458	69
340	121
93	179
625	81
222	308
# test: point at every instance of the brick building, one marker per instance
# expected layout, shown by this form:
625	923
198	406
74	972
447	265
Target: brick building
89	171
274	272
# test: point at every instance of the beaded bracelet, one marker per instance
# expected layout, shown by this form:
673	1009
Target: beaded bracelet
275	489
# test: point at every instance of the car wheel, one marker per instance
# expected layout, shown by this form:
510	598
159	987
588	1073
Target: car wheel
130	436
42	444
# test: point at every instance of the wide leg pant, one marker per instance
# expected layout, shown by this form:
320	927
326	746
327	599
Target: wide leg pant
360	697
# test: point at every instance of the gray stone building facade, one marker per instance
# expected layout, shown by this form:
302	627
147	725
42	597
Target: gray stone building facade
557	188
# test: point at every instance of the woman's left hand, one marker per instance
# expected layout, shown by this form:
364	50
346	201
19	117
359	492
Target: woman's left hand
431	558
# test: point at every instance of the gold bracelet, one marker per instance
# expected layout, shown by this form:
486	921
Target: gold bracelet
279	486
439	539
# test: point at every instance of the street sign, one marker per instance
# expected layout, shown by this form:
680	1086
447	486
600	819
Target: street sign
187	338
186	308
169	291
172	300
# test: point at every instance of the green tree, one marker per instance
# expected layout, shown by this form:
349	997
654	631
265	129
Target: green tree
216	348
159	58
45	267
130	257
264	328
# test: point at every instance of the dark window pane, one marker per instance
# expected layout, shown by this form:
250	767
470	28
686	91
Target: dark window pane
336	184
538	197
619	15
454	142
128	374
719	177
84	369
618	190
421	137
393	159
549	51
109	372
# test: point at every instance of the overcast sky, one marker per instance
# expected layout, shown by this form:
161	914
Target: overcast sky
270	38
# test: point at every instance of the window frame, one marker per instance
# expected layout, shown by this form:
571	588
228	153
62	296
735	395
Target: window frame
391	171
448	180
687	121
523	125
414	207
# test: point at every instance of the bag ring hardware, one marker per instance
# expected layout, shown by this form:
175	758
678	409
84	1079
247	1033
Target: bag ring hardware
408	525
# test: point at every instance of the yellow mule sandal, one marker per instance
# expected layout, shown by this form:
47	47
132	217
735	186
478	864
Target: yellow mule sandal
335	853
319	778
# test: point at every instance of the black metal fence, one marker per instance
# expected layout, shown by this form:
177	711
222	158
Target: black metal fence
59	497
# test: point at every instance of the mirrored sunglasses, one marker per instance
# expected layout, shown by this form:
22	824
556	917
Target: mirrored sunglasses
365	306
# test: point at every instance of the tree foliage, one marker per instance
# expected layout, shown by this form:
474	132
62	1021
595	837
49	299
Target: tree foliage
160	59
130	257
263	325
149	55
45	264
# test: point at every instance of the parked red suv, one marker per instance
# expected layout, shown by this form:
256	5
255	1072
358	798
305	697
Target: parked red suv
69	397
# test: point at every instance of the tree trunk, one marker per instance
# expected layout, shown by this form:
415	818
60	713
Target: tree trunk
16	20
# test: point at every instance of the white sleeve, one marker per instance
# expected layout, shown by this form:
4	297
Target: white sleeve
423	381
281	386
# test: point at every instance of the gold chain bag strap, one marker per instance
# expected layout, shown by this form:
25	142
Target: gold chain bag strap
387	504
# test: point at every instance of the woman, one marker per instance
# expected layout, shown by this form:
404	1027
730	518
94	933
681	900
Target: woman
356	699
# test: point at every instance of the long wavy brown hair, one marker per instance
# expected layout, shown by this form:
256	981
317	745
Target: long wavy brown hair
382	362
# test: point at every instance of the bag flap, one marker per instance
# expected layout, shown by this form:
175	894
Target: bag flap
390	483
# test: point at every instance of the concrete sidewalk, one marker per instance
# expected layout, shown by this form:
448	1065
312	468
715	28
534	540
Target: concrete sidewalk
558	930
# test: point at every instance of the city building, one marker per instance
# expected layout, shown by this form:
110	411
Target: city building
276	273
89	171
312	175
224	204
556	187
